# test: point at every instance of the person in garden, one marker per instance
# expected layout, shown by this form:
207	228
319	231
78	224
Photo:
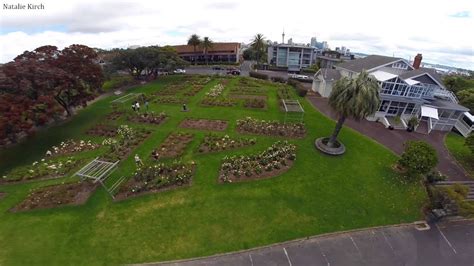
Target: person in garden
137	106
133	107
185	108
146	105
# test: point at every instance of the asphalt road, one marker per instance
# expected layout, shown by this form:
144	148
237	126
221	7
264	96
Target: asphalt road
449	243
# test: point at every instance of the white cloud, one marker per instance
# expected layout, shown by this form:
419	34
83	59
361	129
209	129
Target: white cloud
404	29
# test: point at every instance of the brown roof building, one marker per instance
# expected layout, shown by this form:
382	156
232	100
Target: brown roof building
220	52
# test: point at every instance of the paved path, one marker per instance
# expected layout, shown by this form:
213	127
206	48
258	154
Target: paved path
394	139
444	244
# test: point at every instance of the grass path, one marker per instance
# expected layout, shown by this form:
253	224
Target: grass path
318	194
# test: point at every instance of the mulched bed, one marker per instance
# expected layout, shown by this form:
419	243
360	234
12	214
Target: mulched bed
171	100
271	128
148	118
114	115
2	195
102	130
173	146
263	175
57	195
204	124
255	103
124	151
215	143
127	189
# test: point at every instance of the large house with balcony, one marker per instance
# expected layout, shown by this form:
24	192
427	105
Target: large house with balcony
406	91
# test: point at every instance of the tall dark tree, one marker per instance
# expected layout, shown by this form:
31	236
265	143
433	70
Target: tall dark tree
258	45
195	41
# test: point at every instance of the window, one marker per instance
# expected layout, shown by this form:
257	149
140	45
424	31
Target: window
399	65
383	106
410	108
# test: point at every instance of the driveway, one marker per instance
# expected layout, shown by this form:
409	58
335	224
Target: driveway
448	243
394	139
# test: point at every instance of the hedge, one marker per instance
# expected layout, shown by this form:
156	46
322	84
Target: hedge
257	75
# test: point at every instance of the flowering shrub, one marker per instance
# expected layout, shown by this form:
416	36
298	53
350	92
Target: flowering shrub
71	146
270	162
214	142
125	132
153	177
148	118
41	169
216	91
271	128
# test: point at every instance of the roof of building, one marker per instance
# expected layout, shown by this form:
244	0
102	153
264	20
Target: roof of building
217	47
329	74
367	62
444	104
329	58
382	75
422	70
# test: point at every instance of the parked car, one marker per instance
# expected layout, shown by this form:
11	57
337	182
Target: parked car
179	71
297	76
233	72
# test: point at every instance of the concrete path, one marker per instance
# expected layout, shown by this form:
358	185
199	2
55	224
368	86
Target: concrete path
394	139
449	243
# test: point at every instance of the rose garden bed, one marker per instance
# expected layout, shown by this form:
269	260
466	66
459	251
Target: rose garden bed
157	177
173	146
57	195
271	128
102	130
218	101
148	118
248	90
114	115
215	143
128	139
171	89
256	103
204	124
171	100
272	162
42	170
72	146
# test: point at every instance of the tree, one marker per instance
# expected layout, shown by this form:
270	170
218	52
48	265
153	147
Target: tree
466	98
206	45
470	142
418	159
258	45
356	98
195	41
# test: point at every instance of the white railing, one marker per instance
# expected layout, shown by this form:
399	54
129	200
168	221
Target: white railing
463	128
446	94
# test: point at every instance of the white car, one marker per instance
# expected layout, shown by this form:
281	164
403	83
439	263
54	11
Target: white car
179	71
296	76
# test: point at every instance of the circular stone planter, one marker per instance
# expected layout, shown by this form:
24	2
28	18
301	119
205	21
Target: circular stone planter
321	145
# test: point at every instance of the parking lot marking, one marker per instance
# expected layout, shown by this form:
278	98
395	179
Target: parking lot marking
286	253
322	253
388	243
355	245
446	239
251	260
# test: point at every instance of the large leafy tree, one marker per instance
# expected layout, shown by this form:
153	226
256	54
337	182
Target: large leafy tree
418	159
206	45
195	41
258	45
356	98
466	98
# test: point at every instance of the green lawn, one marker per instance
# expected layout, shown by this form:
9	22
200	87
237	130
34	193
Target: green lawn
319	194
460	152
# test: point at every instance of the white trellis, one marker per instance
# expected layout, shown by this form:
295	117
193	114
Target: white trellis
126	98
98	171
293	110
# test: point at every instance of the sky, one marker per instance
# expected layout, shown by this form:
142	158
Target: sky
442	30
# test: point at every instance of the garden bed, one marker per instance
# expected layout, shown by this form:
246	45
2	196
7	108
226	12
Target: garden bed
271	128
255	103
128	140
204	124
171	89
42	170
2	195
216	143
102	130
173	146
195	89
274	161
157	177
57	195
114	115
71	146
148	118
171	100
248	90
218	101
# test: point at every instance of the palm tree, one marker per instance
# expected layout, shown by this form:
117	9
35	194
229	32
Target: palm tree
258	45
356	98
195	41
206	45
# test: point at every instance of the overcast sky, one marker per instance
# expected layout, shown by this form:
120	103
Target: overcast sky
441	30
